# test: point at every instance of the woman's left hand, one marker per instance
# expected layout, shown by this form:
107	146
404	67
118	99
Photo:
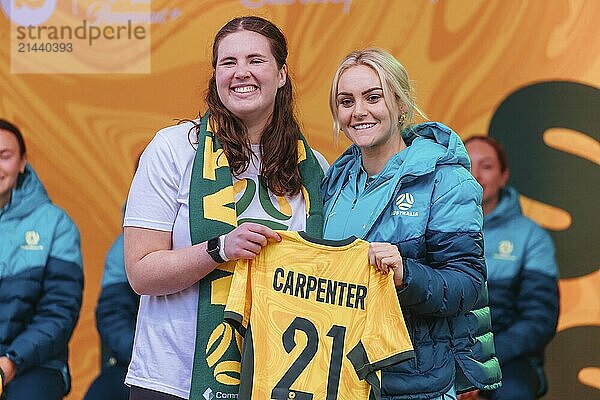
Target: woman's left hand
385	257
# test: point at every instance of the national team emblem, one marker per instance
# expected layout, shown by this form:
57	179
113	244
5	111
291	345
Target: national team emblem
32	240
405	201
505	249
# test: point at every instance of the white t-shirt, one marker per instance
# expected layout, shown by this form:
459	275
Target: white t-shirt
163	349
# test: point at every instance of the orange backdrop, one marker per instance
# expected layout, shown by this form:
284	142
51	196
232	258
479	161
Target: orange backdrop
84	131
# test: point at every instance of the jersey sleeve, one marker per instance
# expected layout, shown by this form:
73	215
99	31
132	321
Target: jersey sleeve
239	301
385	340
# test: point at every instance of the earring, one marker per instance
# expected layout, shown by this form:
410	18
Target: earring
401	119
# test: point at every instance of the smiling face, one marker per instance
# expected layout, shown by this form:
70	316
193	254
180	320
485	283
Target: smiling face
362	111
247	77
11	164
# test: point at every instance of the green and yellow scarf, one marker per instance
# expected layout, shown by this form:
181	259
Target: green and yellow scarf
213	213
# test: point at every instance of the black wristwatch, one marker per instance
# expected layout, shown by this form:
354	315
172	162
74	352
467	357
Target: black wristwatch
212	248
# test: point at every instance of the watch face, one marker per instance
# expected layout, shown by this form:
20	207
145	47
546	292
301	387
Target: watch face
212	249
213	245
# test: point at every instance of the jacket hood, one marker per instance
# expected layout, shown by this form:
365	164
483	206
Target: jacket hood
508	207
27	196
429	144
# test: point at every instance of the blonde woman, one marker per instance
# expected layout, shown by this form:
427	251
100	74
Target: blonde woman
407	189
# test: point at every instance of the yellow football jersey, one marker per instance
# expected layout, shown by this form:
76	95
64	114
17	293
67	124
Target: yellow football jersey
318	321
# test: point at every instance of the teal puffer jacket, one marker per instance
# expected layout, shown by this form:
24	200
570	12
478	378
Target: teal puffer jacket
41	279
426	202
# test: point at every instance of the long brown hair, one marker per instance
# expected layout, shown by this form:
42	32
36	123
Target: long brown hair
279	140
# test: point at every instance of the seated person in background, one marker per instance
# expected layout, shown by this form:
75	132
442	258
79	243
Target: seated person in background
116	314
41	279
522	277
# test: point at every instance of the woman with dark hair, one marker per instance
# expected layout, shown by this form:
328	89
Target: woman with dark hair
406	188
41	279
522	276
193	208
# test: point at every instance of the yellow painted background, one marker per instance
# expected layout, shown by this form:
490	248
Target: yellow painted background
84	131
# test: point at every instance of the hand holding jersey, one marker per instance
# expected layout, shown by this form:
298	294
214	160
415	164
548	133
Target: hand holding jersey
385	257
319	317
246	241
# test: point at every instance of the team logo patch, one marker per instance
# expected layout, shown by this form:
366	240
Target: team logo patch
32	240
404	202
505	249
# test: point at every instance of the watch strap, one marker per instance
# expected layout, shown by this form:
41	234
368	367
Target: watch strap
222	248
